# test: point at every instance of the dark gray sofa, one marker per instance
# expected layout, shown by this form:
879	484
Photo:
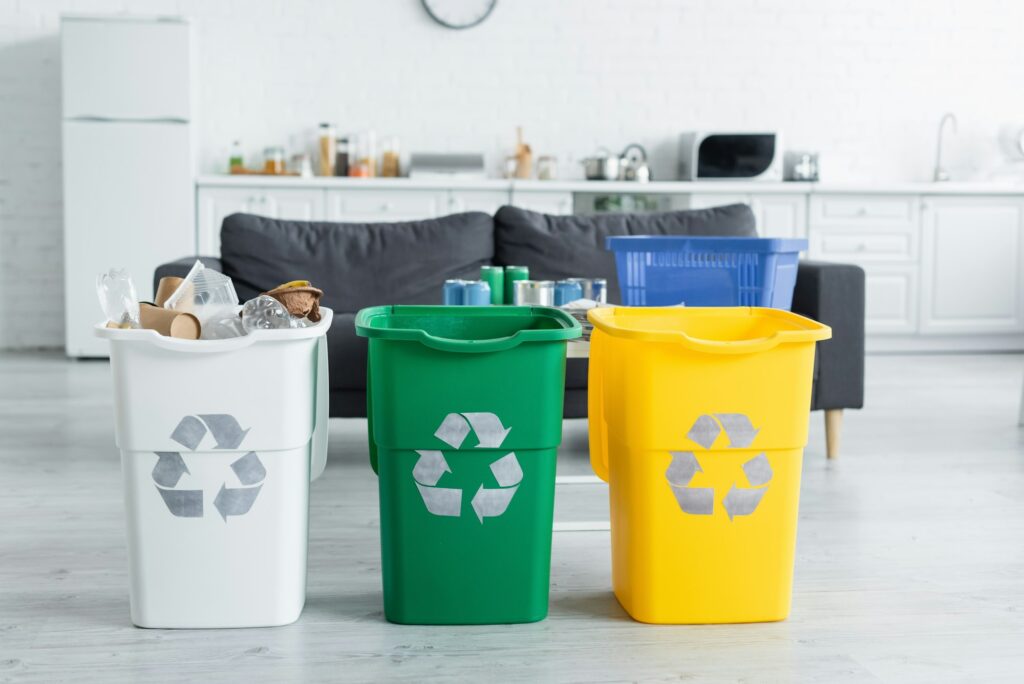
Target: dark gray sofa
360	265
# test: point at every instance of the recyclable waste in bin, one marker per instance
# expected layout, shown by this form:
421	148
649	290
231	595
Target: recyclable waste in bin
219	440
465	418
698	420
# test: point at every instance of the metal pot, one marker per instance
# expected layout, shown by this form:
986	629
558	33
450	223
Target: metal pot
603	167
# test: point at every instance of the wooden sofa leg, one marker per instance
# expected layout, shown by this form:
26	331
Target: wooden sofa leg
833	427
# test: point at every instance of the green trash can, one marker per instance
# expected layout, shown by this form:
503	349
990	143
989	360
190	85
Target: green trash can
465	419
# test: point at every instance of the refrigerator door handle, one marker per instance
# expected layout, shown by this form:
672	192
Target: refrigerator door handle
115	119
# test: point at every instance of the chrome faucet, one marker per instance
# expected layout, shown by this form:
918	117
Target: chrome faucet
942	174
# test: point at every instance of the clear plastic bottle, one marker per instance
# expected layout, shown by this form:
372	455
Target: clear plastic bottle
236	163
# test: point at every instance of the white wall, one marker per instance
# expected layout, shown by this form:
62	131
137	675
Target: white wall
863	81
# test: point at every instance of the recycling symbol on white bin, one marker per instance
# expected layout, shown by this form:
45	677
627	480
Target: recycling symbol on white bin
170	466
684	465
488	502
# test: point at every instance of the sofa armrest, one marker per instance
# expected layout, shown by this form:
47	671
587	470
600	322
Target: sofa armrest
833	294
180	268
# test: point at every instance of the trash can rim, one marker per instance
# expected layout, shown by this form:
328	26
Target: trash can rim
569	327
216	346
803	329
678	243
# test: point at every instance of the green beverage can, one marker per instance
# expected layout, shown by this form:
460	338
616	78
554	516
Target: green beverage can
512	274
495	277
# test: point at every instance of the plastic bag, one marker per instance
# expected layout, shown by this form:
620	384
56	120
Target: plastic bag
204	293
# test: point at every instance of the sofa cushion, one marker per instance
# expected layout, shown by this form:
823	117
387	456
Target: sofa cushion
557	247
356	264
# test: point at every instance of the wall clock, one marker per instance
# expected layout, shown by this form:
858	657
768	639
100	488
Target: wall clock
459	14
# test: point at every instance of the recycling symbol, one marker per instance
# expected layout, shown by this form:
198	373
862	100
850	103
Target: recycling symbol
170	466
684	465
487	502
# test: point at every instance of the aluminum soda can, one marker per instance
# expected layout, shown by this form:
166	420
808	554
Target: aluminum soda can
495	277
567	291
453	292
512	274
476	293
534	293
593	288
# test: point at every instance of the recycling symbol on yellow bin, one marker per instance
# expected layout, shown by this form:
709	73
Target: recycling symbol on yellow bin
170	467
701	500
487	502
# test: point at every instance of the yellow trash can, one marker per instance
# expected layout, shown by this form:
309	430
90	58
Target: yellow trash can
698	420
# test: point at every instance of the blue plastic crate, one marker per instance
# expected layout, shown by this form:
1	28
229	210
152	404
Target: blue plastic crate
659	270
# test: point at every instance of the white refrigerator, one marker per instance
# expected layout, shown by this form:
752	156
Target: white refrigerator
128	158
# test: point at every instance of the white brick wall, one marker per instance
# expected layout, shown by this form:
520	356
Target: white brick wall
863	81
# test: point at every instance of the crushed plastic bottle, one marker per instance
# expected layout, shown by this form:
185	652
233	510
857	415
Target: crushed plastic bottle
266	313
226	324
118	300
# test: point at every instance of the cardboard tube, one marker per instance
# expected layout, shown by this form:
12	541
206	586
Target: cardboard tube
183	326
166	287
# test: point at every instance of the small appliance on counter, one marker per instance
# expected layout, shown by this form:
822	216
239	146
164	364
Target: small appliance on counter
800	166
446	165
633	164
602	166
730	156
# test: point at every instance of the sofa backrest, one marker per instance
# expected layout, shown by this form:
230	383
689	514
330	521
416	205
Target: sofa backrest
356	264
557	247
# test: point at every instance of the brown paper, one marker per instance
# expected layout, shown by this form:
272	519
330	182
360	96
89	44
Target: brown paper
166	287
183	326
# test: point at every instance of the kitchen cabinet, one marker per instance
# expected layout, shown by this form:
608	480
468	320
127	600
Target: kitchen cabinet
776	215
214	204
973	252
890	299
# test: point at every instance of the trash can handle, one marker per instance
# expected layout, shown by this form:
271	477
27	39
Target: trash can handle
595	410
321	412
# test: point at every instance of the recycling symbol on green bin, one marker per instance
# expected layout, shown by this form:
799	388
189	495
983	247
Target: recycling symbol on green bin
684	465
487	502
170	466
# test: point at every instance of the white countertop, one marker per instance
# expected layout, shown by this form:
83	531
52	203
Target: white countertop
603	187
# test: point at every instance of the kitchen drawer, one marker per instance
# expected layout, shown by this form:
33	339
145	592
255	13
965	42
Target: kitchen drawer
214	204
864	210
384	205
487	201
543	201
865	244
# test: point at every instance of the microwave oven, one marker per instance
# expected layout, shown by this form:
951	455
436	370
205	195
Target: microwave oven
730	156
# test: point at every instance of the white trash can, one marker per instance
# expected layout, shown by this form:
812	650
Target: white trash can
219	441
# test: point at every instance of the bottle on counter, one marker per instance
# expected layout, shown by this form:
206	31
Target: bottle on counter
357	167
327	149
368	153
273	160
390	166
341	157
235	161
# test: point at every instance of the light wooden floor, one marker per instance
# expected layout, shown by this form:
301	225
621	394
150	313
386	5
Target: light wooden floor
910	560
